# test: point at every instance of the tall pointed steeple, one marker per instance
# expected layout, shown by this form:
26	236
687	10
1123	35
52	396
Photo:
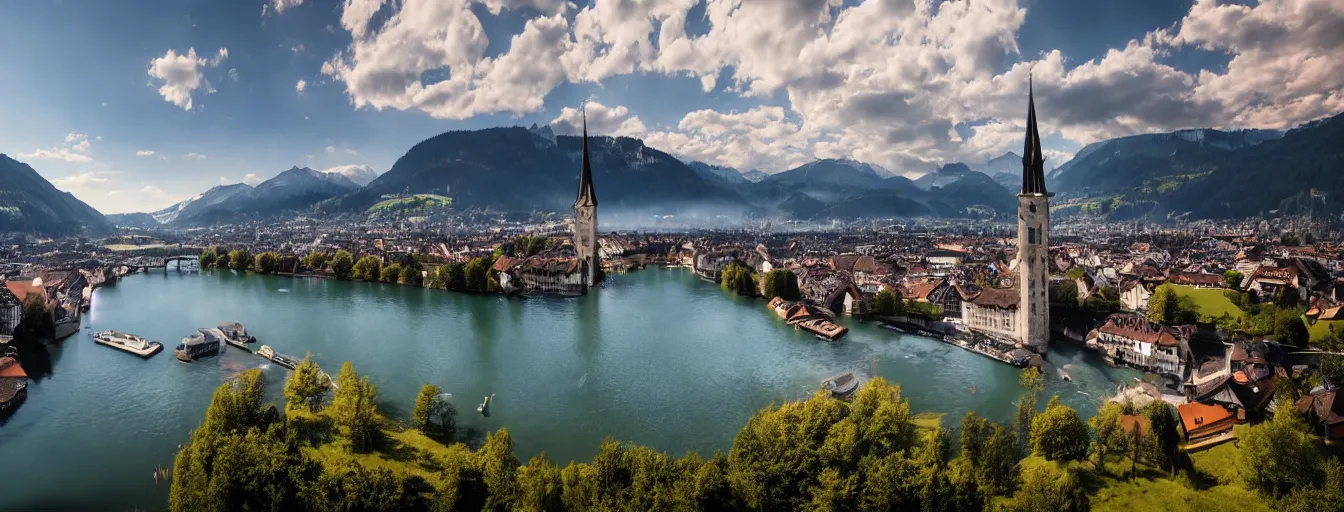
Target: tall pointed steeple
587	196
1033	162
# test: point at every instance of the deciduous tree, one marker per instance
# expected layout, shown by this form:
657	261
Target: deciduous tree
343	264
1059	434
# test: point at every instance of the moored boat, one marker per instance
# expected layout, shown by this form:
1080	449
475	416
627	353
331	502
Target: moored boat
842	385
267	352
235	334
128	343
205	343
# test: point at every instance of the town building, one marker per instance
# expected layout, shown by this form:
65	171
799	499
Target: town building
13	383
585	219
1133	340
1033	241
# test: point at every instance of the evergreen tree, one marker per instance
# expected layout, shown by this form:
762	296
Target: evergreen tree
1164	438
352	408
433	415
306	385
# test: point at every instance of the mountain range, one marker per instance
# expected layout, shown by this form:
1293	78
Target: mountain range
31	204
1201	173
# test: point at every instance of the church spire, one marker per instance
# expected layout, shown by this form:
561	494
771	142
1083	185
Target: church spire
587	196
1033	163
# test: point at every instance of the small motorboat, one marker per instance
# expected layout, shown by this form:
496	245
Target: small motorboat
842	385
485	405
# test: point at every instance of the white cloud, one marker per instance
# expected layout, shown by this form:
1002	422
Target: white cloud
279	6
183	74
876	80
144	152
193	156
73	149
233	74
334	149
601	121
81	180
300	86
251	179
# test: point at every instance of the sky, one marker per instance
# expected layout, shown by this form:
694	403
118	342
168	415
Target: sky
133	106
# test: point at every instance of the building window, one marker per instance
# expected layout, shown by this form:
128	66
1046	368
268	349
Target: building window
1031	235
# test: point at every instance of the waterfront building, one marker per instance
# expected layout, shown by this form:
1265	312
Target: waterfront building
991	312
1133	340
540	274
585	219
1033	241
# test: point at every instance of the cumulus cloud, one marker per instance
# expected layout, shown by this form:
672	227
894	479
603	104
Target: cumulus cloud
73	149
279	6
876	80
602	120
301	86
193	156
251	179
144	152
182	74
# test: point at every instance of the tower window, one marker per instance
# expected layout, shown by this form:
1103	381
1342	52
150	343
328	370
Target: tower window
1031	236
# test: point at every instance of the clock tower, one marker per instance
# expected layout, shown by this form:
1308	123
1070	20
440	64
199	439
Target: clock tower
1033	242
585	219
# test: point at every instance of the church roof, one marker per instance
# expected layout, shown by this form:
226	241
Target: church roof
587	196
1033	162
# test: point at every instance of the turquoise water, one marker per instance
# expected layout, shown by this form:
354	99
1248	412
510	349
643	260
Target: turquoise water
658	357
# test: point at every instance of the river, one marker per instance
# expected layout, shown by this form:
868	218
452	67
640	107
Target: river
658	357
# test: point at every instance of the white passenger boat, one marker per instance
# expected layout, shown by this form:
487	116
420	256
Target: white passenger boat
128	343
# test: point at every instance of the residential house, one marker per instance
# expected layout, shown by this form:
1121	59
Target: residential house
1133	340
539	274
1134	294
1197	280
1205	424
934	290
1268	282
991	312
1324	408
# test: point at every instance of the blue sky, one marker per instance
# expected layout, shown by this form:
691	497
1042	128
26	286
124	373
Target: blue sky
907	85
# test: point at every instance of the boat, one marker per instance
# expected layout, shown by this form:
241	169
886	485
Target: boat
128	343
267	352
1064	376
205	343
842	385
485	405
235	334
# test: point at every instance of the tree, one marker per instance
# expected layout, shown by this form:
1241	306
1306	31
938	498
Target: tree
390	273
306	385
266	262
1233	278
889	302
368	268
433	415
343	264
1074	273
316	260
1050	486
352	407
782	283
1058	433
1033	383
1111	438
1163	440
499	471
457	276
1279	455
476	274
410	276
1289	330
239	259
1066	293
738	279
208	257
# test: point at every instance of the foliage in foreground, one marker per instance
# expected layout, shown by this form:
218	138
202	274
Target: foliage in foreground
814	454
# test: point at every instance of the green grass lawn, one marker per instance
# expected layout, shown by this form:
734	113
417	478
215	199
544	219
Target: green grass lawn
1210	302
412	202
403	451
1321	328
1217	486
1219	462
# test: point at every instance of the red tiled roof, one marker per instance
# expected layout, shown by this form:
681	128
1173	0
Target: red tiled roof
22	288
1198	418
9	367
1136	327
1003	298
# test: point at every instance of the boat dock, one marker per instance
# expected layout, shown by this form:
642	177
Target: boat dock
266	352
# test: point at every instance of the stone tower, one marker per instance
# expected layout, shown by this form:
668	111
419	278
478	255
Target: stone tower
1033	242
585	218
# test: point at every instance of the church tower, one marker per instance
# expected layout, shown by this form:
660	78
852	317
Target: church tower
1033	242
585	218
